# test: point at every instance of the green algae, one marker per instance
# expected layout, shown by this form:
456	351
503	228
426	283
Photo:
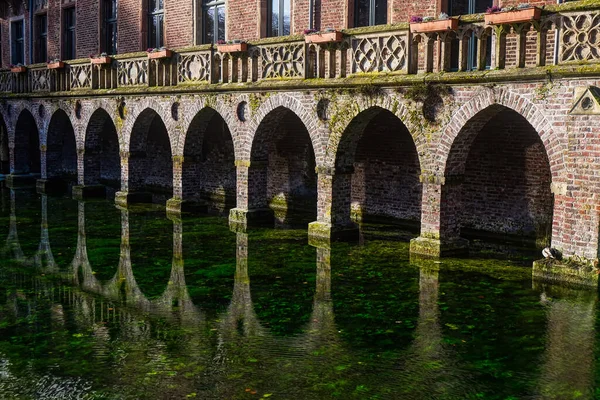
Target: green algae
359	320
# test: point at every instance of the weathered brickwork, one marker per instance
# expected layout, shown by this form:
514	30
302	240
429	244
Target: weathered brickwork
329	135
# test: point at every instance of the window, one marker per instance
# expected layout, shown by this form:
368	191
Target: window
278	23
69	33
156	16
213	20
370	12
462	7
41	38
109	43
17	42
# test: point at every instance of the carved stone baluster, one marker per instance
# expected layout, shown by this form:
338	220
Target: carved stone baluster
500	50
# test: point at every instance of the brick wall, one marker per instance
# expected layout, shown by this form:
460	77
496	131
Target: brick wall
88	28
507	179
386	176
243	18
179	20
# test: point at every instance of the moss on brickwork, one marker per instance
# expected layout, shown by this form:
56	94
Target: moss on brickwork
571	271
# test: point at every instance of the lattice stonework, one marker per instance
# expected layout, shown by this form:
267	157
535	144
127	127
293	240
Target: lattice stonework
282	61
580	38
384	53
194	67
5	82
81	76
133	72
40	80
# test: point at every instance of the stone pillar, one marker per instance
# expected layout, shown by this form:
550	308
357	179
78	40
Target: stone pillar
19	167
44	258
88	185
124	196
439	223
12	241
251	207
174	203
567	366
45	185
333	207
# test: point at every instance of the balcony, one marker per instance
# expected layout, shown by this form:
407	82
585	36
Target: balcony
564	42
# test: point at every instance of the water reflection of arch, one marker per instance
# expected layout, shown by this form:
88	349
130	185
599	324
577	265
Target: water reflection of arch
122	287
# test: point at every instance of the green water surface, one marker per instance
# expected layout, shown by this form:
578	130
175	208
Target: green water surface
98	302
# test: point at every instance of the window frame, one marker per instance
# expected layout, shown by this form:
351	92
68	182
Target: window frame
212	6
110	43
159	39
473	40
281	21
69	32
41	38
13	40
372	14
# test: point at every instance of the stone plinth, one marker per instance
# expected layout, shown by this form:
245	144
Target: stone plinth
14	181
566	272
240	220
51	186
321	234
88	191
439	248
124	198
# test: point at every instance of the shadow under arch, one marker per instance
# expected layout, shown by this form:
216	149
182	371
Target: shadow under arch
150	159
281	179
27	158
377	172
498	179
102	162
61	149
208	170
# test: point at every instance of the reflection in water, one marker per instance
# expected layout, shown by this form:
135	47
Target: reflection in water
108	338
567	370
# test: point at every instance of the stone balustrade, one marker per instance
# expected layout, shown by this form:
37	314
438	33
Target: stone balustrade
384	50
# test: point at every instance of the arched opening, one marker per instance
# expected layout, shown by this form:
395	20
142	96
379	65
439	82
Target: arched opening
377	172
282	175
209	175
150	160
27	145
102	162
61	150
498	180
4	152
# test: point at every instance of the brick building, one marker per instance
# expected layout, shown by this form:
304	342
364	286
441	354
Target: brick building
458	127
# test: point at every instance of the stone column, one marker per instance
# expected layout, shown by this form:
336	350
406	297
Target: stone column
88	184
567	366
439	218
44	258
19	166
125	196
333	207
174	203
251	207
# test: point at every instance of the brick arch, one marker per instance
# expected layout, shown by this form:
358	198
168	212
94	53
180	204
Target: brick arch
138	107
16	111
50	113
25	156
368	107
88	109
477	112
194	111
317	131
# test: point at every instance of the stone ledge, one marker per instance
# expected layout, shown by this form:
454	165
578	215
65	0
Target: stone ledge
51	186
15	181
240	220
436	248
124	198
82	192
321	234
566	272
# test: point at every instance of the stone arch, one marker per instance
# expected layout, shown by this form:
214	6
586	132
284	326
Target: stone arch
61	148
484	107
26	156
346	113
282	176
132	115
198	105
102	162
50	112
208	169
377	171
316	130
499	166
150	157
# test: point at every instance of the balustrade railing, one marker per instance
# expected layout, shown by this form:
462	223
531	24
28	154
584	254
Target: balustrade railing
471	45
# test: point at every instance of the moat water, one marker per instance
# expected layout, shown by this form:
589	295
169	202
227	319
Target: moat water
102	303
